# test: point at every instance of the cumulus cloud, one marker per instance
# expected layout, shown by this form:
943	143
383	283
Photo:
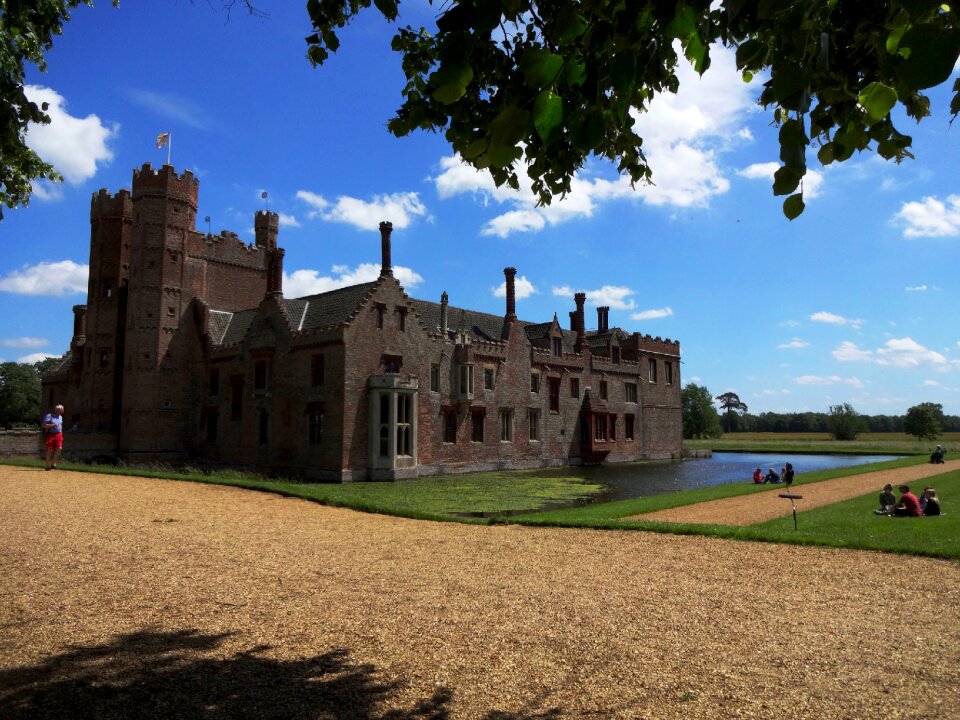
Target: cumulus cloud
71	144
827	380
652	314
522	288
47	278
311	282
833	319
24	342
916	288
796	343
896	352
288	220
764	171
399	208
683	134
929	217
34	358
612	296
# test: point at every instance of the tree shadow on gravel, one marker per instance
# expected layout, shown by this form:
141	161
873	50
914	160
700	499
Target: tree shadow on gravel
172	676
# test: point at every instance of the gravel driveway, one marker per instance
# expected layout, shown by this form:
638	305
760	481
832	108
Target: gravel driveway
127	598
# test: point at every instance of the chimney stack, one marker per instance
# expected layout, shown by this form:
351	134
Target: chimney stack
603	319
510	274
580	298
573	321
444	314
275	271
79	323
386	267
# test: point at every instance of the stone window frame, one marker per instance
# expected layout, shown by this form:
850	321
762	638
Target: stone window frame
506	425
533	424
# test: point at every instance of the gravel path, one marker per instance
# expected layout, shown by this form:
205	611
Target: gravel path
763	506
129	598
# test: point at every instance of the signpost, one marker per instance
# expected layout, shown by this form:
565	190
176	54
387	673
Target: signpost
791	497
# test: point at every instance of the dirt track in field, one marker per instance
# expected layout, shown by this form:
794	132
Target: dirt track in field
763	506
129	597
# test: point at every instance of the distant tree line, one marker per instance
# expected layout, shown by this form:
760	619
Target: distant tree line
820	422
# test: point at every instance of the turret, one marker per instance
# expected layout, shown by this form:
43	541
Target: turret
444	314
266	226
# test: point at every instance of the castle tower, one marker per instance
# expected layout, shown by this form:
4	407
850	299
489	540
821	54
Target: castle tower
266	226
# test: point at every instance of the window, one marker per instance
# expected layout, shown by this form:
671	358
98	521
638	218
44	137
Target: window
402	312
557	347
574	387
317	369
379	308
107	289
384	426
506	426
315	423
668	373
630	392
104	358
392	364
615	352
435	378
652	365
554	394
236	397
600	428
603	389
533	416
264	427
628	427
466	381
214	384
260	375
404	425
476	426
612	427
450	426
171	311
535	383
488	378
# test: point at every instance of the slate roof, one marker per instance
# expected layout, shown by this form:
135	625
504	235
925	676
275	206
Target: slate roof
482	326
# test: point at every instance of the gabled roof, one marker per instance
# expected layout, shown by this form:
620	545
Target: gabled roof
482	326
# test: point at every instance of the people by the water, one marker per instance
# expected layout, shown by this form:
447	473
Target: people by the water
930	502
772	476
787	475
758	476
908	505
937	456
887	501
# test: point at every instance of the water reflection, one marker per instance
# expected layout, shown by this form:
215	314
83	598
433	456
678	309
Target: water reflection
656	478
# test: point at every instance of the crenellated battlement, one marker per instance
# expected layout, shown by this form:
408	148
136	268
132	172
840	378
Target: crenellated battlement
103	204
648	343
227	247
166	182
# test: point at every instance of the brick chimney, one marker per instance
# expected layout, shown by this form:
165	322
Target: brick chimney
386	267
444	314
580	298
573	321
603	319
79	324
275	271
511	273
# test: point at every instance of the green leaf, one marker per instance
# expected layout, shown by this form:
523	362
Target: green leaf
623	72
894	38
507	129
933	54
683	24
793	206
786	180
877	99
450	81
589	132
540	67
575	73
548	115
750	55
826	154
793	144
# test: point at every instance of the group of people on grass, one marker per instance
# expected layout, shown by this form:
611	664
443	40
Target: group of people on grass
785	475
909	505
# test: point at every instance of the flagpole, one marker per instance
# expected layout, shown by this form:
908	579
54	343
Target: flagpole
169	146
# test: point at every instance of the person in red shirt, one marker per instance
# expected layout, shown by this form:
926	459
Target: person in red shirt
908	506
758	476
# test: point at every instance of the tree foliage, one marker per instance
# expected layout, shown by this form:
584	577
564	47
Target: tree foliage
700	418
550	83
19	394
924	421
731	404
845	422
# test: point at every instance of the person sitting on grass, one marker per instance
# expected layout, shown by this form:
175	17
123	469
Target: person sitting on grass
772	477
937	456
758	476
932	506
908	506
887	500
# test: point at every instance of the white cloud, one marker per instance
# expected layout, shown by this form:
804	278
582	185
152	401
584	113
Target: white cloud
24	342
47	278
931	383
522	288
916	288
72	145
288	220
34	358
311	282
790	324
796	343
612	296
896	352
827	380
683	134
930	217
399	208
173	107
832	319
652	314
764	171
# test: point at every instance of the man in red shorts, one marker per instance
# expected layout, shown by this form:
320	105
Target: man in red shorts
53	434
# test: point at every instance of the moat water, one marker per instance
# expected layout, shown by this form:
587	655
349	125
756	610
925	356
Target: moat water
657	478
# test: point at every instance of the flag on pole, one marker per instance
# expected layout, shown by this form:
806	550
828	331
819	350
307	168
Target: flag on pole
163	139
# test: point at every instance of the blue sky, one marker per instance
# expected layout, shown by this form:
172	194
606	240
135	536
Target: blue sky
856	301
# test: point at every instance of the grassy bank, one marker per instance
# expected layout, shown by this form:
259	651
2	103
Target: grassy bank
865	444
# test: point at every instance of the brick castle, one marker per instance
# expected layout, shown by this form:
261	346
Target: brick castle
187	350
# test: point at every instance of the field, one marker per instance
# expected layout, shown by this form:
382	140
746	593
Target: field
866	443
